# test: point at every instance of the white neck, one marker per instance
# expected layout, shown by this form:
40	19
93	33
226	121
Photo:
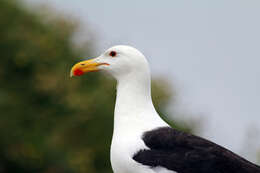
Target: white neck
134	107
133	93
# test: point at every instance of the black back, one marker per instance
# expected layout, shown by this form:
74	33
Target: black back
186	153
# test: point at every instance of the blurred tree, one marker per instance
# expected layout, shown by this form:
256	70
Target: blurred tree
49	122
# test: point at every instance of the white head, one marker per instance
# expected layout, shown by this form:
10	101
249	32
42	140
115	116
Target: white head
131	70
119	61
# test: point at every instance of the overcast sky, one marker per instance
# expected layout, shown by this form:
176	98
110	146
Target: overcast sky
209	49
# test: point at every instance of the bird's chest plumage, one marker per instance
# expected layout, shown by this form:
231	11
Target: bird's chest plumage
123	148
122	158
125	144
129	128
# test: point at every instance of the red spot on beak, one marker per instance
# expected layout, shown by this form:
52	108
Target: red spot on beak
78	72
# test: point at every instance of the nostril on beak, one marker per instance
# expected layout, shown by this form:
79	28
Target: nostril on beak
82	64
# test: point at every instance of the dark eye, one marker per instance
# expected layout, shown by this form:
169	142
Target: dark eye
112	53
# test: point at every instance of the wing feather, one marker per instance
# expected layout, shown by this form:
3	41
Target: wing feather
187	153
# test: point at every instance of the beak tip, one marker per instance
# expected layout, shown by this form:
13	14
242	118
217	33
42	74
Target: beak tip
84	67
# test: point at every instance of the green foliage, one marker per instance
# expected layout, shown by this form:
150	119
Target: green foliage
50	122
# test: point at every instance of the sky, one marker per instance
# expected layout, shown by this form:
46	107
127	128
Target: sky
209	50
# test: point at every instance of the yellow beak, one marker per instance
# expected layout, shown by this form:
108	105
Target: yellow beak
85	67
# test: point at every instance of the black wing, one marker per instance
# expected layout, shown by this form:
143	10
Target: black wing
186	153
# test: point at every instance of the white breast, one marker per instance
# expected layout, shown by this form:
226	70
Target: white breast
127	140
121	157
123	149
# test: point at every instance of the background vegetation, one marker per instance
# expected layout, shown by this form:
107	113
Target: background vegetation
49	122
